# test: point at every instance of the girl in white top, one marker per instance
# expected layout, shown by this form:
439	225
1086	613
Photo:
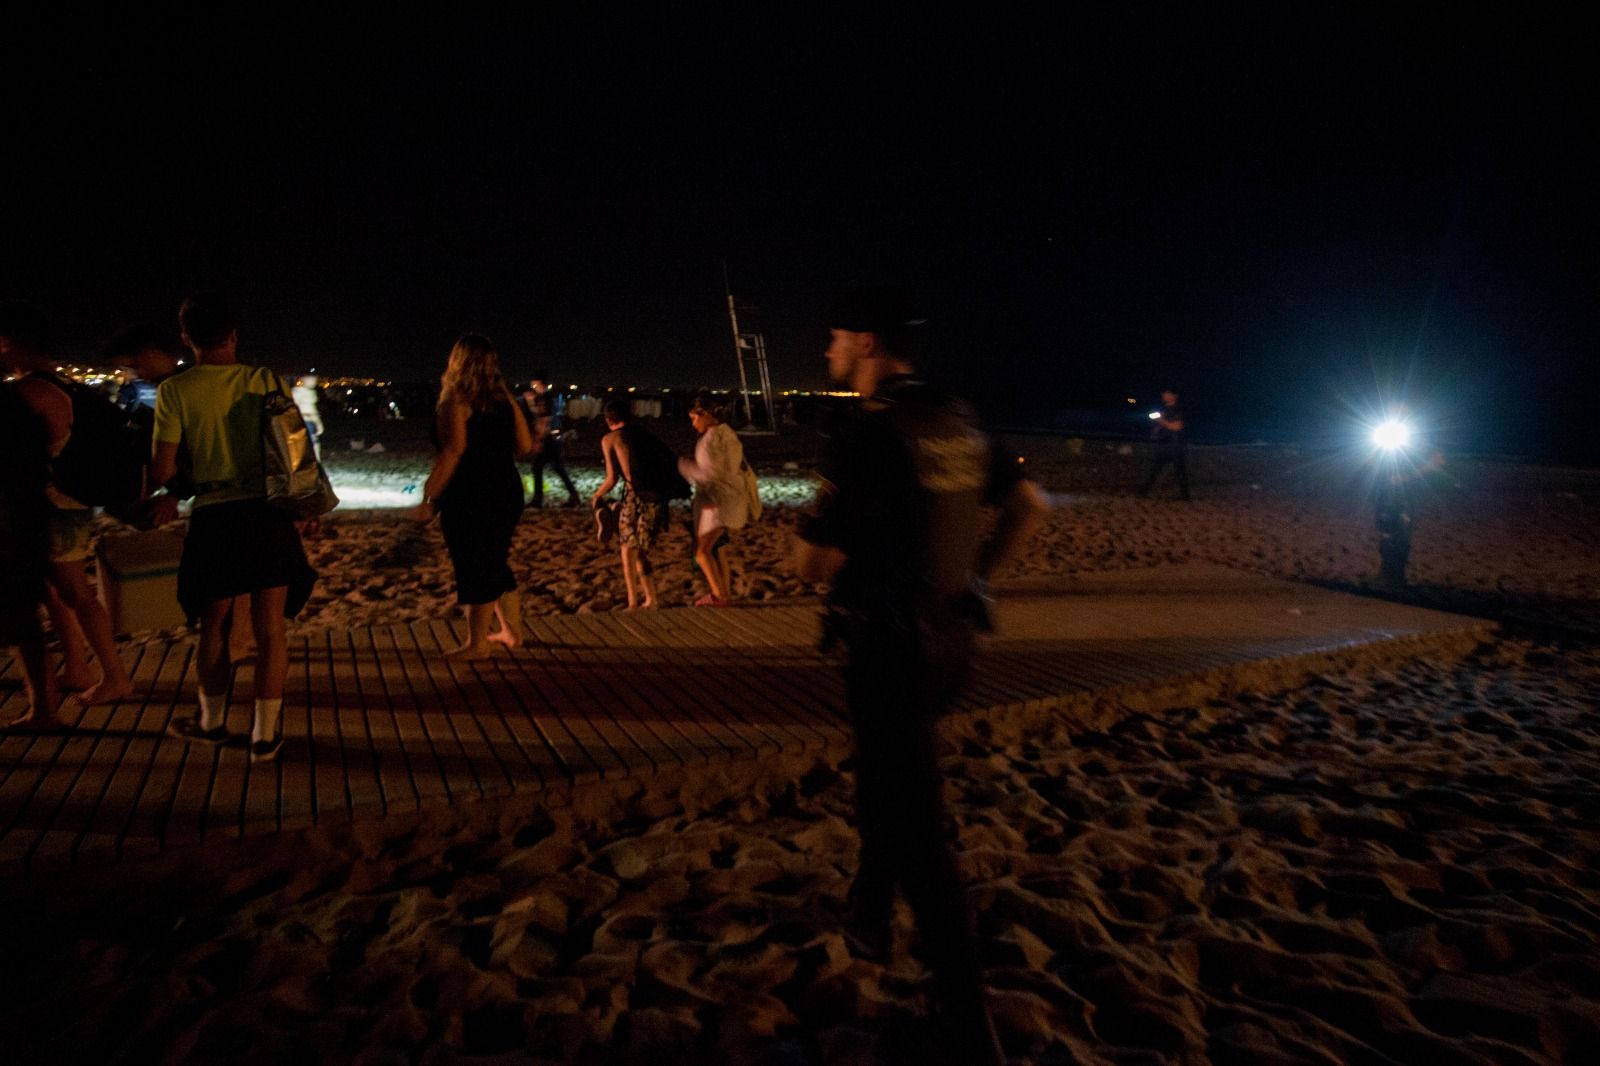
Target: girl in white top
716	472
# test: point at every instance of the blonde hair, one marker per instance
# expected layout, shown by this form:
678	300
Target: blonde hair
472	375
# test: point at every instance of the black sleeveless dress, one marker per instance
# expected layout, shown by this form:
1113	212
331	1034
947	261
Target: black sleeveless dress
479	509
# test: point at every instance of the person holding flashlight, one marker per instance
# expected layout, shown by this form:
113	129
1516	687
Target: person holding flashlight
1172	445
1399	475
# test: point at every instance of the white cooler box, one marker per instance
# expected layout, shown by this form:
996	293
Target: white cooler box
139	580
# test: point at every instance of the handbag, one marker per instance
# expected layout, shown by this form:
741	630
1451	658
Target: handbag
296	482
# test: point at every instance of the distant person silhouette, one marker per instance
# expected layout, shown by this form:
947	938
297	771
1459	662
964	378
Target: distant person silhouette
896	535
548	411
1172	445
305	398
1399	478
237	544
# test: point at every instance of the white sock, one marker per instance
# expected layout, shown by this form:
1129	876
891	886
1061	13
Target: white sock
267	713
210	712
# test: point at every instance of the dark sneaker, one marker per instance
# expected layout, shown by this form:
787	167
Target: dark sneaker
266	750
188	729
867	930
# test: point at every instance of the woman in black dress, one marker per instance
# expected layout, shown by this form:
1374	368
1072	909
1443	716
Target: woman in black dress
475	489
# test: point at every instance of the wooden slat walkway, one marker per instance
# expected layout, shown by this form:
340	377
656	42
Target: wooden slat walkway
378	722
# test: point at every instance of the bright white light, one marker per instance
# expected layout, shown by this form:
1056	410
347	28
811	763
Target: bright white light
1391	435
1154	415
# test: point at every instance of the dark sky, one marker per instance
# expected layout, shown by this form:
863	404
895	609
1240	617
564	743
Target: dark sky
1278	210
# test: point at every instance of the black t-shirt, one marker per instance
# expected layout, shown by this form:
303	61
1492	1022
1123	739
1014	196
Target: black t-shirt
1171	437
546	405
903	478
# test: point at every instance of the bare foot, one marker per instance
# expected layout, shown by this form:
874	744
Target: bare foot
34	724
470	653
76	680
506	637
106	692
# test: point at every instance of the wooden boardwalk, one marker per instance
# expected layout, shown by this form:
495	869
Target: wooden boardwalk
377	721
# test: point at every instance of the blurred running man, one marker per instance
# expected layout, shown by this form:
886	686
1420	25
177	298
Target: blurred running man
896	534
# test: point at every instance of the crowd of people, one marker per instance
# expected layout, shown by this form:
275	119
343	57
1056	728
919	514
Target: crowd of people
192	435
897	535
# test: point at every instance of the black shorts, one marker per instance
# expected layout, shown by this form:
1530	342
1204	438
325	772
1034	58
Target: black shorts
239	547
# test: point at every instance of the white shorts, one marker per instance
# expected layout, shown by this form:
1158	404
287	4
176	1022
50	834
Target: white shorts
706	518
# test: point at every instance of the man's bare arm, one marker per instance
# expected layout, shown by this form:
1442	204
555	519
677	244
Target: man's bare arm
815	563
1022	513
163	463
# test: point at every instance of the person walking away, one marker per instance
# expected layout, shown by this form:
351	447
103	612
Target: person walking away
237	544
304	395
1172	445
896	535
475	489
138	353
24	553
717	473
548	410
647	471
79	619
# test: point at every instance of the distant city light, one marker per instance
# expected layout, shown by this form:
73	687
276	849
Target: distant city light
1154	415
1130	399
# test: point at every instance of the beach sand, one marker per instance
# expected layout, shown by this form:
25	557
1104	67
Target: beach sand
1380	864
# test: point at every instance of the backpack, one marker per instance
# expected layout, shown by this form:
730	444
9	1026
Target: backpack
655	468
103	463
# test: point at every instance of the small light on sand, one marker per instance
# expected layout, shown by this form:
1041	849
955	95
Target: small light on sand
630	388
1132	400
1154	415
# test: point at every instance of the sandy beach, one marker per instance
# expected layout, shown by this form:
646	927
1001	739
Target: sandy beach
1385	864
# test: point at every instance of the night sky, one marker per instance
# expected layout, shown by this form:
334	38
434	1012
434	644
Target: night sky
1281	211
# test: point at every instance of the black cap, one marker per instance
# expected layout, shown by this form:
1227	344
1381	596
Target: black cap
882	310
